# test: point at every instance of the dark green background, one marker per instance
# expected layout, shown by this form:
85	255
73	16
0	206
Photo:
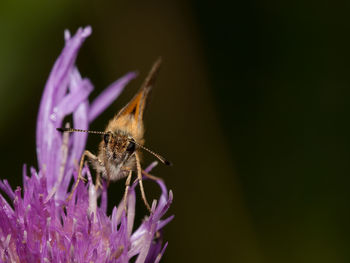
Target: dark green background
252	106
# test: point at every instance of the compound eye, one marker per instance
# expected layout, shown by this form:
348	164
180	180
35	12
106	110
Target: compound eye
106	138
131	147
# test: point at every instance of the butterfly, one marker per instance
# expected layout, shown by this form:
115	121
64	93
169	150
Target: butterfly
123	139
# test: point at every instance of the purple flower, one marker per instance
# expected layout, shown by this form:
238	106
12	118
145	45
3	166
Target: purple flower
38	224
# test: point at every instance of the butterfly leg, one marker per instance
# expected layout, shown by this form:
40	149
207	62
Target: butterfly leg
98	183
139	177
92	158
127	185
152	177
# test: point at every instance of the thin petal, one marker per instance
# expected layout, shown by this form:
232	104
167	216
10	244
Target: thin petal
147	239
104	198
4	186
80	121
70	102
131	210
164	222
108	96
55	88
161	253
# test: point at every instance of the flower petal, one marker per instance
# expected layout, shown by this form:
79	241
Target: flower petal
108	96
80	121
40	224
55	88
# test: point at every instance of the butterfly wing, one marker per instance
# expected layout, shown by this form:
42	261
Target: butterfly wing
136	106
129	119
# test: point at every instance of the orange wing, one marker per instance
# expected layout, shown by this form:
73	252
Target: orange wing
137	105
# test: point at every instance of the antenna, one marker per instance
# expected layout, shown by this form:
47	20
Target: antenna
160	158
78	130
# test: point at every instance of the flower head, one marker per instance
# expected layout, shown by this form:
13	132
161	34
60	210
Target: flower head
39	225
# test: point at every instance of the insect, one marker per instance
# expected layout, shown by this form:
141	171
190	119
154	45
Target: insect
119	151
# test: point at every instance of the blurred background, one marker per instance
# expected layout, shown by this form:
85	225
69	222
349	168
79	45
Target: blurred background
251	106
